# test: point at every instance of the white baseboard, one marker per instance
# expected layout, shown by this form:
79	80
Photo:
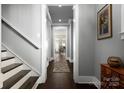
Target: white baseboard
41	79
70	60
88	80
52	58
97	83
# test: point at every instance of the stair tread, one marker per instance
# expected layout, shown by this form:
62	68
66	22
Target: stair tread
29	83
7	58
14	79
3	50
10	67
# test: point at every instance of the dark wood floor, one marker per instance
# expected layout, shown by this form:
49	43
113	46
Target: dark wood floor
62	80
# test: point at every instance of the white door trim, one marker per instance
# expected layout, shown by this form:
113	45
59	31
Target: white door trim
76	43
1	81
44	44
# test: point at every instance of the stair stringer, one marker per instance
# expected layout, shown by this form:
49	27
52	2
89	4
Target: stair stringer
25	66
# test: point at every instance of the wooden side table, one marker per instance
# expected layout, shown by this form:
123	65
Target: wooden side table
111	71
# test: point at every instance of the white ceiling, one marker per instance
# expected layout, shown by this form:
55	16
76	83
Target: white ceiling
64	13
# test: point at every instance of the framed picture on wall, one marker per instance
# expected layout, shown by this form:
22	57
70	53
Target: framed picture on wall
104	22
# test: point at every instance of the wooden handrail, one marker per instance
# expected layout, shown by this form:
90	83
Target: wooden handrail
19	33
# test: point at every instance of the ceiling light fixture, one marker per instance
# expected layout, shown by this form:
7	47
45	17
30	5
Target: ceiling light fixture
60	20
59	5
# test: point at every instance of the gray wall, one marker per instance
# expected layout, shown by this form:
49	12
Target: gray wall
72	40
68	42
52	41
112	46
26	19
87	29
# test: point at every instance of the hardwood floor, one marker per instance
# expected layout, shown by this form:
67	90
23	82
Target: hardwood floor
62	80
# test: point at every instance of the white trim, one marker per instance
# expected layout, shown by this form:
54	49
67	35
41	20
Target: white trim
60	24
76	43
70	60
122	22
61	4
1	81
44	45
32	68
48	13
97	83
89	80
52	58
29	39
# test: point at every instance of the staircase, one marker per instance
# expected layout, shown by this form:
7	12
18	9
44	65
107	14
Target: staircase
15	73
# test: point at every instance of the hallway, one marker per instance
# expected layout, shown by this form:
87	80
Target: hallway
62	80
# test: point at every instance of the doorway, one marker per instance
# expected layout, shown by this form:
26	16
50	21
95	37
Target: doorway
59	40
72	75
60	67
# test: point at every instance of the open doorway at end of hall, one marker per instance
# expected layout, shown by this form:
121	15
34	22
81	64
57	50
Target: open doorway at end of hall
59	41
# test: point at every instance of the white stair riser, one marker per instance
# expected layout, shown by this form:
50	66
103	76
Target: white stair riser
11	73
8	62
21	82
3	54
27	68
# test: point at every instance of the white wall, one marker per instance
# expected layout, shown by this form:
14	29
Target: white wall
27	19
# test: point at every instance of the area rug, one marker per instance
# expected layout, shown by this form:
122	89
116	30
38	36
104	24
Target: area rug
61	67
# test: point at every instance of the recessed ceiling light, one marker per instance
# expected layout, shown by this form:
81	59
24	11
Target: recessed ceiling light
60	20
59	5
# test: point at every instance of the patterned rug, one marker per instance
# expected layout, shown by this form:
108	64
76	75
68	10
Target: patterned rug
61	67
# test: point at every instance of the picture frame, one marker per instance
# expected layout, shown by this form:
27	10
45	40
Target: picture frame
104	22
